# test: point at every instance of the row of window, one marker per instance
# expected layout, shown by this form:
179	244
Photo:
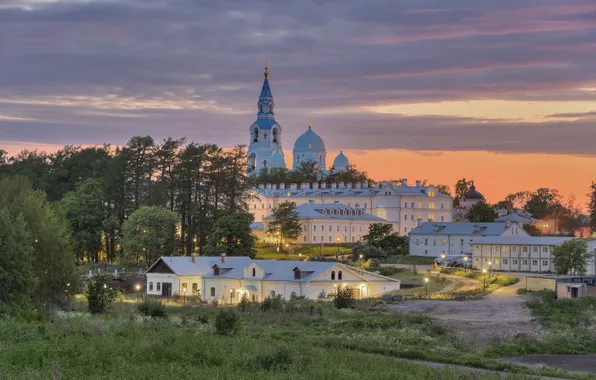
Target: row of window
314	238
430	217
431	205
524	262
524	249
314	228
339	275
443	242
342	212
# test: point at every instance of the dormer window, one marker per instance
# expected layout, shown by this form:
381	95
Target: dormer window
215	270
297	273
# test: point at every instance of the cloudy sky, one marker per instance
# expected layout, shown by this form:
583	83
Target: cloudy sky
500	91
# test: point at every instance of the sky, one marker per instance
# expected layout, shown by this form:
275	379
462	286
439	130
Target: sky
502	92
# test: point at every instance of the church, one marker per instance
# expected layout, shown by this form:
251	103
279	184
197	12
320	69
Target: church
265	147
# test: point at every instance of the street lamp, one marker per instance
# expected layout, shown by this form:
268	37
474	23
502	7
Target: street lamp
361	256
137	288
465	262
484	271
287	252
489	264
426	286
184	293
337	246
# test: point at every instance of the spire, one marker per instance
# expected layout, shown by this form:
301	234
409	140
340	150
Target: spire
309	124
266	104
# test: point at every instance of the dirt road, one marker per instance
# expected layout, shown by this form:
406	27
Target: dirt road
501	314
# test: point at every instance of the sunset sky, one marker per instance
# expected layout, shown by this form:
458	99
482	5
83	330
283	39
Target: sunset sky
502	92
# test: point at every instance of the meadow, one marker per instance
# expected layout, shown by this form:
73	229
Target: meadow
297	339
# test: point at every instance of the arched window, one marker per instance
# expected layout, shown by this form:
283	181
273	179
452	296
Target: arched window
333	275
271	107
254	272
339	275
260	108
275	135
256	137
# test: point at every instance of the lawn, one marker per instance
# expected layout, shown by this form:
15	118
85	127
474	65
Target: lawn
435	283
300	253
299	340
418	260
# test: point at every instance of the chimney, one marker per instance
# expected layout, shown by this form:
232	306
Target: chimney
193	258
223	258
404	182
418	183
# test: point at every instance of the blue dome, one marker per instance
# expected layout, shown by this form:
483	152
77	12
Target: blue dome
276	160
341	161
309	140
310	156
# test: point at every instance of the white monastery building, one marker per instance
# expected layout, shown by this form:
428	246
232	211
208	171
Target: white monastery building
436	239
331	223
521	253
399	204
227	279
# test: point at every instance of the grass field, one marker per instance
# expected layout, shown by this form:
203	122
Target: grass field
300	253
435	283
418	260
300	340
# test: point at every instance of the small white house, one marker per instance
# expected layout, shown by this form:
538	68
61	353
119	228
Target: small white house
522	253
435	239
228	279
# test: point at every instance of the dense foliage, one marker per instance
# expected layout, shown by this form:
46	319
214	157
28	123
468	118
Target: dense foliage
308	172
100	295
233	236
36	261
106	184
481	212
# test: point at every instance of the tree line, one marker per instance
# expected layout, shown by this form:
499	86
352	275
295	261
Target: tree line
101	187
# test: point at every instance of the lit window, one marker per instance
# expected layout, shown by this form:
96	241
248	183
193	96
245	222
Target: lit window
434	242
431	205
444	242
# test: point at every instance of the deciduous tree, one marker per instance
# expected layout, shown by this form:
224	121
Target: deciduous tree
571	257
286	222
232	235
481	212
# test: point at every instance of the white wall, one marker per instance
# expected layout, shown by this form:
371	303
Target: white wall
154	278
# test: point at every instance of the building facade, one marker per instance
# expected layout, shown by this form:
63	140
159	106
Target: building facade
331	223
521	253
399	204
436	239
228	279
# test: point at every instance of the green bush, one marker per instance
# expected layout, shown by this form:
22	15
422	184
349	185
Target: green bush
152	308
386	271
227	322
244	303
344	298
273	303
278	361
99	295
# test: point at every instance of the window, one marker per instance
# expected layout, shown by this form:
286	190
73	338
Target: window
314	227
254	298
412	205
514	261
524	262
461	242
525	249
212	292
216	270
322	228
406	204
184	287
329	228
405	230
314	238
337	228
431	205
425	241
514	249
365	205
254	272
305	238
254	206
545	263
444	242
329	239
297	274
151	286
441	206
435	242
272	294
352	239
411	217
442	218
339	275
405	216
232	293
534	262
158	286
322	239
534	249
495	248
345	228
504	248
195	288
353	229
505	261
417	242
333	275
545	249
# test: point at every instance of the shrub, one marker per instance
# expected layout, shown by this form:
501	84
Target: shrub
99	295
278	361
152	308
227	322
243	304
273	303
344	298
385	271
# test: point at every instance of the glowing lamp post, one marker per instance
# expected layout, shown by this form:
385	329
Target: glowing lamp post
426	286
137	288
484	271
489	264
184	293
465	263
